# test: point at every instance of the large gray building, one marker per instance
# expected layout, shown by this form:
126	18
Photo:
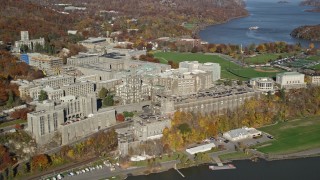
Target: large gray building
216	100
70	119
144	128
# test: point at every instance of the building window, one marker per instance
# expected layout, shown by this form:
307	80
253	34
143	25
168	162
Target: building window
49	128
55	121
42	125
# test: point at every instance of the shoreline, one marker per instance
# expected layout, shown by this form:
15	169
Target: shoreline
278	158
203	26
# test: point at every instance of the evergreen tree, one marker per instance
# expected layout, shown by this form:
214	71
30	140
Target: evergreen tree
108	101
10	99
43	95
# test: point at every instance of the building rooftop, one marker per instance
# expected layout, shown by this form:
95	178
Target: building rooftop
289	74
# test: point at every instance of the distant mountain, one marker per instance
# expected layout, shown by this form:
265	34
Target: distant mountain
153	18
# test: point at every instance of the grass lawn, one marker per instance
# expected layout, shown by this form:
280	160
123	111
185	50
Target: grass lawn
235	155
189	26
11	123
264	58
261	58
313	58
229	70
293	136
316	67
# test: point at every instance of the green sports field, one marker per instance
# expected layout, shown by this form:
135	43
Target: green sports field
293	136
229	70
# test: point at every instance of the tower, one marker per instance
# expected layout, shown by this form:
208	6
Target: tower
24	35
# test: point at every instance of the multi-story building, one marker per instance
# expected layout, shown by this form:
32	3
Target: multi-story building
78	88
109	84
133	90
31	43
190	66
291	80
54	81
83	58
49	64
181	83
148	128
264	84
217	100
144	128
44	123
54	94
73	117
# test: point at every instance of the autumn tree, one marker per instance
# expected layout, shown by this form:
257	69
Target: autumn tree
120	117
40	162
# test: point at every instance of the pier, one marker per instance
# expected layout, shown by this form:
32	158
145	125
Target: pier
175	167
217	160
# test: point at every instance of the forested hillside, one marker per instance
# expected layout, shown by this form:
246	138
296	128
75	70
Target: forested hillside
18	15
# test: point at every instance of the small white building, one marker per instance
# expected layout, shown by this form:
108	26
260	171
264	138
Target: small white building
264	84
241	134
291	80
201	148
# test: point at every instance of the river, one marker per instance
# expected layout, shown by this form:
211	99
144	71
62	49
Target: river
275	22
294	169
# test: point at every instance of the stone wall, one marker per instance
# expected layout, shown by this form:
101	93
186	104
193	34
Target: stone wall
80	129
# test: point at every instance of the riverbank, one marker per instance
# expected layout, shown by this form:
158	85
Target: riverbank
203	26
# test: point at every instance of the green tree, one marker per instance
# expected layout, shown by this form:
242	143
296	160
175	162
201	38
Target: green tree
103	93
43	95
10	99
108	101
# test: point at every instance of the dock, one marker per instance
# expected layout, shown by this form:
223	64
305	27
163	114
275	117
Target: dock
175	167
217	160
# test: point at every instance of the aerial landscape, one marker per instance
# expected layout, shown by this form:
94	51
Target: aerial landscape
159	89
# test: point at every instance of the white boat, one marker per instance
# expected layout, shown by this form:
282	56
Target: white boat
253	28
228	166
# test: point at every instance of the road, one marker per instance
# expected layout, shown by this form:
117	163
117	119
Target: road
105	172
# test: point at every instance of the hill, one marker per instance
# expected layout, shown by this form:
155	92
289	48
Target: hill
310	32
18	15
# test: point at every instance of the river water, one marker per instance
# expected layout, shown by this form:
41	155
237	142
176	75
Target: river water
294	169
275	22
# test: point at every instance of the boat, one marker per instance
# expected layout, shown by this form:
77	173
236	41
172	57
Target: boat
253	28
228	166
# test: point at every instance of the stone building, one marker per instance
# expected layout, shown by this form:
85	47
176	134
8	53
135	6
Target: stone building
83	58
290	80
49	64
109	84
148	128
72	118
182	83
78	88
54	94
144	128
31	43
190	66
133	90
44	123
54	81
212	100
